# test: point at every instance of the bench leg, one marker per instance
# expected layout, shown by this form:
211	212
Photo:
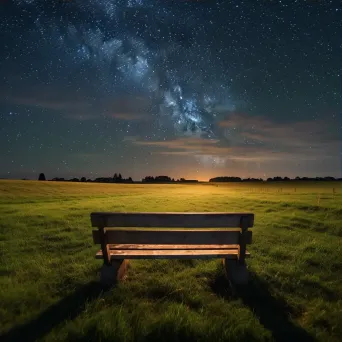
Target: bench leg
236	271
114	272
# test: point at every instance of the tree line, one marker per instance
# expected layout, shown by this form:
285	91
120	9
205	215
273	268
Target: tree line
117	178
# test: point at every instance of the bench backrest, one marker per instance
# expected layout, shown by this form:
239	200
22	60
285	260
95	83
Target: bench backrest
105	234
172	220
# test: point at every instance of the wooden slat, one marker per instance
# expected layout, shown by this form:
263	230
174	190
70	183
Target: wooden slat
171	219
161	247
171	254
173	237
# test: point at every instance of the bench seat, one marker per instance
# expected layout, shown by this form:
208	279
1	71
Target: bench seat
138	251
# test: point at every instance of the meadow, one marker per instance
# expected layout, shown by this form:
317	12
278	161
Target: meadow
49	289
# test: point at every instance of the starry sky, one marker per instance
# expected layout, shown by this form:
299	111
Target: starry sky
186	88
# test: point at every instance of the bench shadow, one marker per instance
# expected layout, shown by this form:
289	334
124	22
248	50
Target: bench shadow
67	308
274	314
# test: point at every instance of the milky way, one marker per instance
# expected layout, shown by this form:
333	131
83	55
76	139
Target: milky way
116	43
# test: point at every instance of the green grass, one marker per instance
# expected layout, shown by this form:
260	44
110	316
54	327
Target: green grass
49	287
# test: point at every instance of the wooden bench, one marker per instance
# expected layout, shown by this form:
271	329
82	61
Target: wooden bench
178	236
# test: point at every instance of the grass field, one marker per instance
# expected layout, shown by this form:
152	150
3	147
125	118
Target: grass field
49	287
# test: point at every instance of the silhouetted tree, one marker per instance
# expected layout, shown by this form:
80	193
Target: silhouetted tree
83	179
252	180
329	178
225	179
41	177
119	178
162	179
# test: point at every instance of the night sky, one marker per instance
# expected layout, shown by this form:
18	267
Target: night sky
186	88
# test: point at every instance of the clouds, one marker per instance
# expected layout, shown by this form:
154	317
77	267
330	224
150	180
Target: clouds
128	108
80	107
310	139
257	139
48	100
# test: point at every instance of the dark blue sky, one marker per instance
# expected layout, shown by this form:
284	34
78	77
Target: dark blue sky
192	89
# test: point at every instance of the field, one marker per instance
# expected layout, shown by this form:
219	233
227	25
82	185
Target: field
49	287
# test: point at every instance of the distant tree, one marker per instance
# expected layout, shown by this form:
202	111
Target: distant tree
89	180
115	178
252	180
157	179
329	178
225	179
172	180
41	177
130	180
162	179
83	179
148	179
74	180
119	178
